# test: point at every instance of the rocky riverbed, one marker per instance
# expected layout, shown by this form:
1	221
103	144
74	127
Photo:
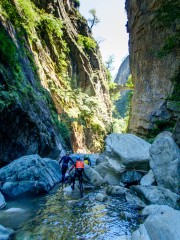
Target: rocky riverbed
130	182
58	216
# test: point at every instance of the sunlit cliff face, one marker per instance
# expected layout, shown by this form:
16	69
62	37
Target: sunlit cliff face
55	88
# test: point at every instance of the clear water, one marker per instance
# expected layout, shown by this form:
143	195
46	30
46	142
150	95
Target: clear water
56	216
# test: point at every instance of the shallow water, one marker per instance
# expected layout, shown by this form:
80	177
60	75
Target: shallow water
56	216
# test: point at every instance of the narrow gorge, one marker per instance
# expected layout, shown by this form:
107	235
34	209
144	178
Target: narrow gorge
57	97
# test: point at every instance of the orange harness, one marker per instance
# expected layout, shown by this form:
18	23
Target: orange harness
79	164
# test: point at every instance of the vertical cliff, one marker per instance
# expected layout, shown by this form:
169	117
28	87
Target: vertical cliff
123	72
155	64
53	86
122	104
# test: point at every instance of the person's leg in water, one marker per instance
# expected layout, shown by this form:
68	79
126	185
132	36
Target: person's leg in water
64	169
80	182
73	180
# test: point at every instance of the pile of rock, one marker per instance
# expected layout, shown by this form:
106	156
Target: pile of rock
146	175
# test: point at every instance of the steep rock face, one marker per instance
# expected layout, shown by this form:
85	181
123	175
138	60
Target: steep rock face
121	79
123	72
154	63
52	80
25	118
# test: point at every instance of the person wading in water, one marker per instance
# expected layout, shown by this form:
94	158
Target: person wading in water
64	166
79	169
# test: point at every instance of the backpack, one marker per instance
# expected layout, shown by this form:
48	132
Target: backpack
79	165
86	161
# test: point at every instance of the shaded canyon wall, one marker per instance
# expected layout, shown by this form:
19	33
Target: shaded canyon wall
154	50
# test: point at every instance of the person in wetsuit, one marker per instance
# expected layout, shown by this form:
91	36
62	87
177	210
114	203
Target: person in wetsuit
79	168
64	166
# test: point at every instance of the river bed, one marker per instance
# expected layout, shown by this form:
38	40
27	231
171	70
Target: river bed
55	216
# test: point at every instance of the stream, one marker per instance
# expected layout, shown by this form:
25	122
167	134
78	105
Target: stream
56	216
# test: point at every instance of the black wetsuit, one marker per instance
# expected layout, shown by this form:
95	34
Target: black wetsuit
65	160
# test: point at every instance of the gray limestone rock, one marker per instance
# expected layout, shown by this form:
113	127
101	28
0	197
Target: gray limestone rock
29	175
164	226
109	175
93	176
153	79
165	162
128	150
154	209
116	190
157	195
134	201
159	226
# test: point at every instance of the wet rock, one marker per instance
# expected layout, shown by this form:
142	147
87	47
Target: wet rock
126	215
161	226
2	201
165	162
140	233
134	201
101	159
131	177
109	175
148	179
157	195
116	190
29	175
128	150
154	209
101	197
6	233
93	176
15	210
14	217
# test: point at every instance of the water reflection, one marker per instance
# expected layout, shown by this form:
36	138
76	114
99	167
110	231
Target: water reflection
56	217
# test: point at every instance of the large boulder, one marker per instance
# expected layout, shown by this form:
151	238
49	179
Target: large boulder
157	195
165	162
129	150
29	175
93	176
154	209
14	217
109	174
162	225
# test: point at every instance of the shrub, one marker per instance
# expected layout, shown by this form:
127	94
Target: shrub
86	42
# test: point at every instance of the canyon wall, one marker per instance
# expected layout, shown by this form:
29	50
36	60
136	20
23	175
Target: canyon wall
154	50
123	72
53	86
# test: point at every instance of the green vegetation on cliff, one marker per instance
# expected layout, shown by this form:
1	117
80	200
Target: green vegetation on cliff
168	15
40	41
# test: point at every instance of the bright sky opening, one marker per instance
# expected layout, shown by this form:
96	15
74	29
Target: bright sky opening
111	28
